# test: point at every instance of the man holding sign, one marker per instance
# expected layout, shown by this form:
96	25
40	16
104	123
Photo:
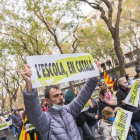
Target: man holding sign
59	120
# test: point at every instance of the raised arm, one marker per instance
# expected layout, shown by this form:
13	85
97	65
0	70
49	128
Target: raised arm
34	112
78	103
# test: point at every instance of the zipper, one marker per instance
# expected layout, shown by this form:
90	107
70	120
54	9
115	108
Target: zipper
65	126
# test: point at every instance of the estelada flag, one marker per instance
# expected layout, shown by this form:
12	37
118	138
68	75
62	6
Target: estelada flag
24	135
108	80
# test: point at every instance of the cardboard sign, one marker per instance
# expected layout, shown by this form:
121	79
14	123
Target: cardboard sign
55	69
121	124
133	96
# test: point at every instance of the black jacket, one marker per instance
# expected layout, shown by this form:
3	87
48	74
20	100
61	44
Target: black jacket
102	105
90	114
121	95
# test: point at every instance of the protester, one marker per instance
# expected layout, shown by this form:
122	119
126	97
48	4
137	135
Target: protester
13	127
137	76
10	119
17	122
105	124
106	96
115	86
1	114
121	95
58	116
100	85
2	132
92	115
129	78
102	100
80	119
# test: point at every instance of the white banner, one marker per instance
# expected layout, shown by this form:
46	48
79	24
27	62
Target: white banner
133	96
121	124
4	125
54	69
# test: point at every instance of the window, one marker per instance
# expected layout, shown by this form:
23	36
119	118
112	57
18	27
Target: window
127	49
94	17
116	62
135	44
130	57
109	64
103	66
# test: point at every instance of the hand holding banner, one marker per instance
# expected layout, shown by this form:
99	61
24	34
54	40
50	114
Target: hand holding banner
121	124
54	69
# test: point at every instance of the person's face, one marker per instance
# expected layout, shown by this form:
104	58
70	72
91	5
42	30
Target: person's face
107	92
129	76
56	97
16	112
124	82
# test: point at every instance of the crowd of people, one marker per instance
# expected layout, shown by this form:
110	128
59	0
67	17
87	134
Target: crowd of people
61	116
64	119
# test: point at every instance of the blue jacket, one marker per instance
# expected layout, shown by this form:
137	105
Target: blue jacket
9	118
58	125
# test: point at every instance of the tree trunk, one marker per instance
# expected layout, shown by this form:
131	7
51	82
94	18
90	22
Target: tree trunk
71	86
138	59
11	104
119	55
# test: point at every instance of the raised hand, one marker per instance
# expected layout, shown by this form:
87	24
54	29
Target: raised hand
26	74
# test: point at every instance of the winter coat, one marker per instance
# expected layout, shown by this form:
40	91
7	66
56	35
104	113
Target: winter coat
9	118
58	125
17	120
105	127
102	105
80	119
2	132
90	114
121	95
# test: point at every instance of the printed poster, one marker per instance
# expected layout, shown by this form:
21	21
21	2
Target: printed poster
55	69
4	126
133	96
121	124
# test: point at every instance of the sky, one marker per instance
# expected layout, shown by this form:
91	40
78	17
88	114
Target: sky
86	9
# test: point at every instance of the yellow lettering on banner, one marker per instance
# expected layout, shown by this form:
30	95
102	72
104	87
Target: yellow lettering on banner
63	68
86	105
3	125
133	95
121	125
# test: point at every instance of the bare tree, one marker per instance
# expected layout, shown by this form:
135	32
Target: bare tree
114	30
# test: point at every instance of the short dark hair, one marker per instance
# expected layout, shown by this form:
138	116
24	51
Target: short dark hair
47	91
